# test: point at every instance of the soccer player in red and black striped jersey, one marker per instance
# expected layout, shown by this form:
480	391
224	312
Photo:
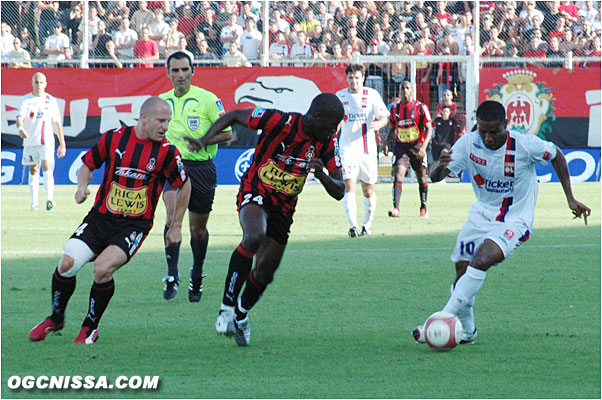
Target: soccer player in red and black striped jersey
138	160
410	122
290	146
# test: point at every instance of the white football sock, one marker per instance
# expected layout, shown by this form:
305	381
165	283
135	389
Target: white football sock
350	208
49	184
467	287
34	187
369	209
466	314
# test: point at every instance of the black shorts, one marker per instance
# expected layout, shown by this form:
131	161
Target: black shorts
406	154
279	225
203	178
436	150
99	231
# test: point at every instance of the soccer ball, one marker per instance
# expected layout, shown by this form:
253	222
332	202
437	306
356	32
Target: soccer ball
443	331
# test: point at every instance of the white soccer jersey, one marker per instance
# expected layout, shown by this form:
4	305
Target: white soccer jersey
39	115
504	180
361	109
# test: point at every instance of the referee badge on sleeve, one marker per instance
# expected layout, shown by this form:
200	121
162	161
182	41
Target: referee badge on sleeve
194	122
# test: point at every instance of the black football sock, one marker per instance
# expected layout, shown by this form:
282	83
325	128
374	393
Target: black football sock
238	270
250	296
62	289
100	295
199	250
172	254
397	186
424	190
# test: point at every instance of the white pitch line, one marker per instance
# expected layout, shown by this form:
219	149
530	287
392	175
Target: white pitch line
357	250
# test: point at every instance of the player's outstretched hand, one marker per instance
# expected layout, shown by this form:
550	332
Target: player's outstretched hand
580	209
81	195
316	166
445	158
194	144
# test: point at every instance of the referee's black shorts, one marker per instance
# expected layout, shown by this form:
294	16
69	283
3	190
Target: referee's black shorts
203	177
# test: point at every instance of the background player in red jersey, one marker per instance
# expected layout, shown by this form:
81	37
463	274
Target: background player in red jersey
410	121
290	146
137	161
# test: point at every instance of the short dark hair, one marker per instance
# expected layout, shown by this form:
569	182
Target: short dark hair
443	107
328	103
353	68
178	55
491	111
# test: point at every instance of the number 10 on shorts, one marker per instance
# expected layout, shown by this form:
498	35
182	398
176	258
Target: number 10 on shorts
467	248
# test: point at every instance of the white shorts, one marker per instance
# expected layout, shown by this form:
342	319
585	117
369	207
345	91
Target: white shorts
507	235
32	155
362	166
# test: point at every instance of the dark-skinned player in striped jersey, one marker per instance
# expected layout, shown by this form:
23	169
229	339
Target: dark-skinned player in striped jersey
291	145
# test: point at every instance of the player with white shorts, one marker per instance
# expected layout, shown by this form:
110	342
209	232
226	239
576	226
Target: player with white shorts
365	114
38	118
501	165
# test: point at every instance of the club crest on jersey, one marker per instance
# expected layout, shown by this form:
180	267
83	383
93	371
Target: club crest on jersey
528	103
310	153
194	122
151	164
509	234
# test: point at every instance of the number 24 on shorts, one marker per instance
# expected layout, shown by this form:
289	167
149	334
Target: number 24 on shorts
248	197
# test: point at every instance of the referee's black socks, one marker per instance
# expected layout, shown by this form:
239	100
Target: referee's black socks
199	251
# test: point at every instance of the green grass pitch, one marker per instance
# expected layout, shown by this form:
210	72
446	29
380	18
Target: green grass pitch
336	321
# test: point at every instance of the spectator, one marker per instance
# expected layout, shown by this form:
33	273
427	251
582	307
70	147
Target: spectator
409	16
188	24
429	43
382	46
48	17
158	31
590	11
8	39
146	49
310	22
385	25
496	47
55	45
27	41
348	52
75	19
18	57
204	53
99	41
445	74
594	52
535	51
398	72
485	32
301	49
335	30
282	24
568	9
116	15
112	55
357	44
552	14
583	25
125	39
446	131
142	17
279	50
67	61
231	33
567	43
536	26
322	54
448	101
337	54
442	15
539	34
323	14
92	26
250	40
182	44
554	52
328	41
559	29
234	58
402	28
172	42
526	15
245	14
513	53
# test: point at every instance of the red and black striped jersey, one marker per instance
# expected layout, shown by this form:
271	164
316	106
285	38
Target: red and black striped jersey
279	167
409	121
135	171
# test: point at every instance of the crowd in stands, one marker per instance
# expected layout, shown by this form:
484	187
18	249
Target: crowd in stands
324	33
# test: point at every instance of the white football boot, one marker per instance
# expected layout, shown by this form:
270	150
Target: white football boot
225	321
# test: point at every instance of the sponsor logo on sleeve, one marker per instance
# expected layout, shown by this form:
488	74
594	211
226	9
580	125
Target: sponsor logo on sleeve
220	107
258	112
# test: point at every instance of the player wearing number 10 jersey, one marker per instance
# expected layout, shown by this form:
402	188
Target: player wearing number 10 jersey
501	164
290	146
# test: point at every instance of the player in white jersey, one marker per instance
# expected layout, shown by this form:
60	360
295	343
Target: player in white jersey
365	114
501	165
38	118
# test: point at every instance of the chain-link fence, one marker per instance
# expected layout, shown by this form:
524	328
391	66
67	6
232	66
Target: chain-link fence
385	35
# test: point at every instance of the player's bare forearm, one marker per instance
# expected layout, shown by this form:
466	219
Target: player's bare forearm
174	235
222	124
84	177
333	182
562	170
440	170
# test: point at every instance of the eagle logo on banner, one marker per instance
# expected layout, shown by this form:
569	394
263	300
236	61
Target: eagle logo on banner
528	103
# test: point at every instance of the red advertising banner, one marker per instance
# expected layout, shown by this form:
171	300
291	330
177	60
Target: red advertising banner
97	100
560	105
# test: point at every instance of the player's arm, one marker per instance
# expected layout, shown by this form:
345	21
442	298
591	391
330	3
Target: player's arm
379	123
84	177
439	169
333	181
427	139
22	132
174	234
215	133
562	170
62	150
